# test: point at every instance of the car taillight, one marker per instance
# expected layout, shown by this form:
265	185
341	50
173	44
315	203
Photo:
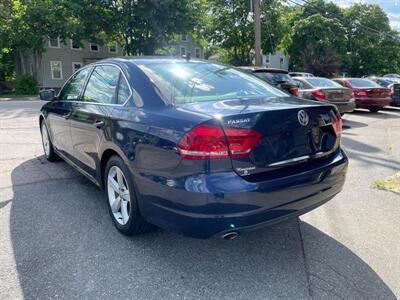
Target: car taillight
294	90
211	142
360	93
337	124
389	92
318	94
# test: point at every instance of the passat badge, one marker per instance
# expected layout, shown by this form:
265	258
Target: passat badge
303	117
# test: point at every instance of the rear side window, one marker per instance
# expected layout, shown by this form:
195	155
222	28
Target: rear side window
322	82
123	90
102	85
73	87
302	85
339	82
363	83
274	78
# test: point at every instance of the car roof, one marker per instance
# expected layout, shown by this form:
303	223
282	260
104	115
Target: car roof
143	60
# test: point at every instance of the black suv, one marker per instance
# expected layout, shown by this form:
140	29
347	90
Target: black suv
276	77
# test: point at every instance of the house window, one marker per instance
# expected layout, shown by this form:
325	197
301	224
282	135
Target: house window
76	66
56	69
197	52
94	47
54	43
183	51
112	48
75	45
184	37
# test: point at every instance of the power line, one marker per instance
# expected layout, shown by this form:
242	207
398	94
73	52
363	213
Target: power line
338	18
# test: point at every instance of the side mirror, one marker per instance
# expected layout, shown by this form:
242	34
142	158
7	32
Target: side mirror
47	95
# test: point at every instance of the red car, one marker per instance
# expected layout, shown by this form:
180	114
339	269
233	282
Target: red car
367	93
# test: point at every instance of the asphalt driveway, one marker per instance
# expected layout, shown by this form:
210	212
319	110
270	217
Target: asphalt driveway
57	240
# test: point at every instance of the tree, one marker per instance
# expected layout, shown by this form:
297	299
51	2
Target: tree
273	25
318	44
232	29
372	46
142	26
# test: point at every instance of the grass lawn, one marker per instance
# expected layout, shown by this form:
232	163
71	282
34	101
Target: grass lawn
391	183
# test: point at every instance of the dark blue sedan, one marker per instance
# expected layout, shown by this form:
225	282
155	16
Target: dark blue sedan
196	147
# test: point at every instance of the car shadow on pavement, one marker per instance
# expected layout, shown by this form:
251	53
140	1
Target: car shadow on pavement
65	246
348	124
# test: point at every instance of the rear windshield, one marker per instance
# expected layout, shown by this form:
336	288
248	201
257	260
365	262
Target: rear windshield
187	82
274	78
322	82
363	83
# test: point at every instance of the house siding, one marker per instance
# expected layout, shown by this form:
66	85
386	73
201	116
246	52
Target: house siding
190	46
67	56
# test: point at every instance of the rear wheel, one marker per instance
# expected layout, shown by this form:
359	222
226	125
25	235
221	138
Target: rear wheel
374	109
47	144
122	202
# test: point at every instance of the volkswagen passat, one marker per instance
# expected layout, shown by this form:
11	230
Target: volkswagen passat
199	148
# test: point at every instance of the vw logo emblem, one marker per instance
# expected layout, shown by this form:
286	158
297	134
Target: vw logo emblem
303	118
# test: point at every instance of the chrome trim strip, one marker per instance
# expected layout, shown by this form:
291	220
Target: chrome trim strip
283	162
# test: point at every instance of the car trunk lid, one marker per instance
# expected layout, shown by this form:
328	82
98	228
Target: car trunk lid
292	131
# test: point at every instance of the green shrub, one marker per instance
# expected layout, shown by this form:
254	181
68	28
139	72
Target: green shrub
25	85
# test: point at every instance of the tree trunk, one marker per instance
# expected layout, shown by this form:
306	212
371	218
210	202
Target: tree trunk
22	59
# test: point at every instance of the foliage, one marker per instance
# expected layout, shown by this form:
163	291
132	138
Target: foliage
143	26
231	29
25	85
318	43
373	47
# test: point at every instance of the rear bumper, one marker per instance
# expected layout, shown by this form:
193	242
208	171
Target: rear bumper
208	205
345	107
372	102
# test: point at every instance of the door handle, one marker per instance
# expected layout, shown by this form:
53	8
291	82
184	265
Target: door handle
99	124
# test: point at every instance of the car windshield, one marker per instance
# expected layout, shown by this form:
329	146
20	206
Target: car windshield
274	78
322	82
186	82
363	83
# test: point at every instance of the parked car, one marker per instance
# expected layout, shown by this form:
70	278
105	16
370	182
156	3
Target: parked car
300	74
392	75
276	77
323	89
391	83
367	93
196	147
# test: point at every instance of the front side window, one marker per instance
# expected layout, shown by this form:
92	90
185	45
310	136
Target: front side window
56	70
186	82
74	85
102	85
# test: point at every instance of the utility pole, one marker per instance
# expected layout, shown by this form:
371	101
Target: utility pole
257	32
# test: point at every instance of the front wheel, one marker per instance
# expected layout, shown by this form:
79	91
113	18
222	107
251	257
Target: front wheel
122	202
47	144
374	109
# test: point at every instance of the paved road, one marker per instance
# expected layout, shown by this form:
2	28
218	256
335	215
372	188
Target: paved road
57	240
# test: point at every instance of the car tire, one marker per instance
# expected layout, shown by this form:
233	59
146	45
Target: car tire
374	109
47	144
122	202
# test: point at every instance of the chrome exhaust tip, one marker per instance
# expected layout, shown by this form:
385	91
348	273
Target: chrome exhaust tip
230	235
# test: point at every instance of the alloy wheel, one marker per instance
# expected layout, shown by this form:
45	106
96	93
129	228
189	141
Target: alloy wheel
45	140
118	195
